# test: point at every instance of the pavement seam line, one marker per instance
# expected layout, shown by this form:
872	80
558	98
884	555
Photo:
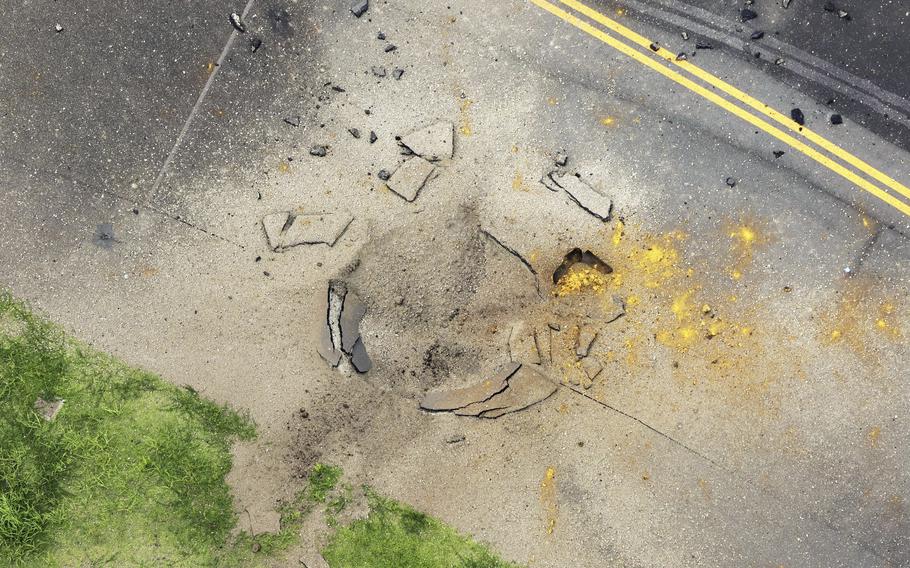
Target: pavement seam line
726	105
741	96
199	100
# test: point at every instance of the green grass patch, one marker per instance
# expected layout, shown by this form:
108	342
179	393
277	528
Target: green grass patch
131	472
396	535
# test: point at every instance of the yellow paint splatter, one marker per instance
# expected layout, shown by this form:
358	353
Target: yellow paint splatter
548	499
210	66
579	280
283	167
464	121
552	101
618	232
874	435
518	183
608	121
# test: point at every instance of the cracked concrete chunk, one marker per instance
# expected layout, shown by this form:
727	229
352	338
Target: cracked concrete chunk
287	229
615	310
359	358
523	344
586	336
459	398
410	177
352	312
526	387
433	142
48	409
549	182
592	367
326	345
268	522
587	197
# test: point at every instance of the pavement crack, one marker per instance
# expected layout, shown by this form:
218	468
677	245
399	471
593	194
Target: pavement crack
517	255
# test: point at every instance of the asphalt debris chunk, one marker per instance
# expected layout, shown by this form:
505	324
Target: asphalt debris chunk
778	153
746	14
319	151
577	256
561	159
380	36
731	182
397	73
255	44
797	116
359	8
592	200
837	119
378	71
384	175
433	142
354	132
390	48
654	47
338	89
237	22
293	120
756	35
681	56
373	137
702	44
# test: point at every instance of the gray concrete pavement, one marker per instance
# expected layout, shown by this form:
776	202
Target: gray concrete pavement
781	440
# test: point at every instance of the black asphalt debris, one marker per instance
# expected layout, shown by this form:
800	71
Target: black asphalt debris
778	153
384	175
654	47
379	71
380	36
702	44
837	119
293	120
389	48
731	182
318	151
373	137
255	44
354	132
756	35
746	14
681	56
338	89
798	116
397	73
561	159
237	22
360	8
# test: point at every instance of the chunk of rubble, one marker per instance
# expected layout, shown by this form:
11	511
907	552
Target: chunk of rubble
561	159
592	367
433	142
459	398
352	312
585	196
286	229
410	177
359	358
49	409
359	8
526	387
586	337
797	116
326	344
523	344
340	334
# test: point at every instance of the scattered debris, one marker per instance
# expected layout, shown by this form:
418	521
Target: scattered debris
684	35
433	142
586	337
702	44
478	392
373	137
654	47
779	61
58	28
455	438
48	409
410	177
326	346
319	151
383	175
585	196
756	35
338	89
397	73
513	388
390	48
731	182
797	116
681	56
287	229
237	22
255	44
104	235
837	119
344	313
378	71
746	14
359	358
592	368
293	120
359	7
576	256
561	159
268	522
354	132
380	36
778	153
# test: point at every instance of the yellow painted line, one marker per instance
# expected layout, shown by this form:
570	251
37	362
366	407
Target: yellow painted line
743	97
725	104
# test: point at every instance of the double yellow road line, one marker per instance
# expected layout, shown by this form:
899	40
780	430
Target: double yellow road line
652	59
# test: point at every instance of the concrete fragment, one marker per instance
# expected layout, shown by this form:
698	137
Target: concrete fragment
293	120
268	522
586	336
523	344
319	151
359	358
410	177
397	73
459	398
592	367
797	116
355	132
325	345
591	200
561	159
526	387
359	8
48	409
373	137
390	48
433	142
378	71
352	312
286	229
614	309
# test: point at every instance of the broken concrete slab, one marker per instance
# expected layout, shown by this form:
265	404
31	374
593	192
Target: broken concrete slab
410	177
586	196
459	398
614	309
523	344
549	182
286	229
49	409
326	345
264	522
592	367
433	142
359	358
526	388
352	312
586	336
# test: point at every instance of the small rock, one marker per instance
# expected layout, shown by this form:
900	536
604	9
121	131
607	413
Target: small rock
48	409
778	153
379	71
237	22
681	56
842	14
293	120
383	175
554	326
455	438
373	137
359	8
756	35
255	44
58	28
561	159
354	132
779	61
837	119
685	35
746	14
319	151
798	116
390	48
397	73
731	182
586	336
380	36
256	547
654	47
